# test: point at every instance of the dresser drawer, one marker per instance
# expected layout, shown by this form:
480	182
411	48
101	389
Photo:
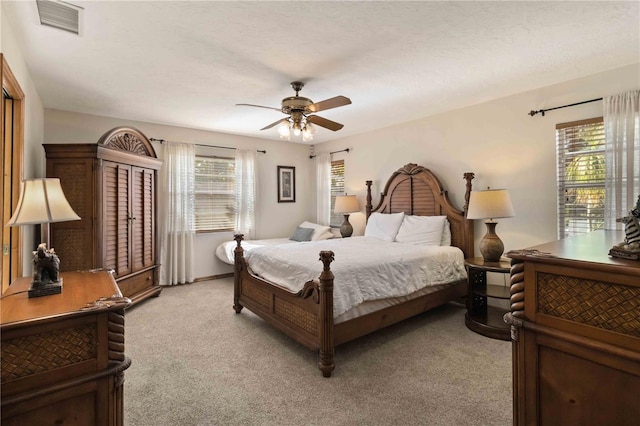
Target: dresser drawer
132	285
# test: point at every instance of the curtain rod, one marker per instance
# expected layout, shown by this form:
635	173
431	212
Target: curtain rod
206	146
333	152
542	111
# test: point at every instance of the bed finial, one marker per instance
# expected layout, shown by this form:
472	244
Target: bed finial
468	176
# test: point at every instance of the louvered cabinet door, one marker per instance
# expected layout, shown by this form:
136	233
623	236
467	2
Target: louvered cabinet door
143	223
117	217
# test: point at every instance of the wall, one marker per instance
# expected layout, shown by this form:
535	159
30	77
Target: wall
273	219
33	124
498	140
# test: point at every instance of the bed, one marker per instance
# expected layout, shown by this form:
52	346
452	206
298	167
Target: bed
307	315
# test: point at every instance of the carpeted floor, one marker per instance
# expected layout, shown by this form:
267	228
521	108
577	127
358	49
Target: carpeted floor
195	362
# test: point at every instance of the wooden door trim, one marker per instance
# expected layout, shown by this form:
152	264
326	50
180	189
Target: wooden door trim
12	87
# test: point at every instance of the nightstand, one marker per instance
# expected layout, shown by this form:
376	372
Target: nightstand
482	318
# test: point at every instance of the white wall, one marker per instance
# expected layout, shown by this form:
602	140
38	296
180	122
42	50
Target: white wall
497	140
33	123
273	219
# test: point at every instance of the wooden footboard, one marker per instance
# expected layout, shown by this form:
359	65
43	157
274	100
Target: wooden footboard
305	316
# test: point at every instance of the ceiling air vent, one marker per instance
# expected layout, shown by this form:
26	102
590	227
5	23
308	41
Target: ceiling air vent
59	15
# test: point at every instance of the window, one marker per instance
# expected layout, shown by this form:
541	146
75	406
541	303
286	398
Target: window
337	188
581	176
215	198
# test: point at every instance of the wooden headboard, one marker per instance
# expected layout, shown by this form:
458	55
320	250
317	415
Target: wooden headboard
414	190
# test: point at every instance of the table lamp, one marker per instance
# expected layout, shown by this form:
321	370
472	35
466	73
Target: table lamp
43	202
490	204
346	204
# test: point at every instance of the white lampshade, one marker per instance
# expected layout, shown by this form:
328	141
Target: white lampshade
346	204
42	201
490	204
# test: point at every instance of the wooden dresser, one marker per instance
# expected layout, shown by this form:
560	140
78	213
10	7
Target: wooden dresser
111	185
575	325
63	355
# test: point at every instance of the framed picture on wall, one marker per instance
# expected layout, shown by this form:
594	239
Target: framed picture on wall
286	184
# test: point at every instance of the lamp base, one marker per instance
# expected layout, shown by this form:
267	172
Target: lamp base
346	230
491	246
40	288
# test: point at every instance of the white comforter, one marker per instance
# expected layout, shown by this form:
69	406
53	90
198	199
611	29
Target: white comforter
365	268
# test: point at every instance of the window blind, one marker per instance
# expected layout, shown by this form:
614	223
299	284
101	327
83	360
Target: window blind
337	188
214	193
581	175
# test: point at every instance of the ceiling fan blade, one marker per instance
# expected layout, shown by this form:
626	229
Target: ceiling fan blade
282	120
338	101
260	106
323	122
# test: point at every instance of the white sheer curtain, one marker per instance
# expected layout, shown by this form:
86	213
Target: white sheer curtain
245	193
323	183
622	155
176	224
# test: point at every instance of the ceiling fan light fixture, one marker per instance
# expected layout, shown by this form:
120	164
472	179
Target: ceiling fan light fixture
306	135
284	130
299	109
310	128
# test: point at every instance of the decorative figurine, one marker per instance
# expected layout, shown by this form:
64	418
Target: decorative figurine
46	272
630	248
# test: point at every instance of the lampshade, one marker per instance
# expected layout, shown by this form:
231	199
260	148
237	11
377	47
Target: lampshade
346	204
490	204
42	201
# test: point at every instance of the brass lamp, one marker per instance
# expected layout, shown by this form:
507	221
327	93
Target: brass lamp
346	204
490	204
43	202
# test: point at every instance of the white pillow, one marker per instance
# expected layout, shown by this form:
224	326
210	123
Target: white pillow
383	226
421	230
318	230
327	235
446	234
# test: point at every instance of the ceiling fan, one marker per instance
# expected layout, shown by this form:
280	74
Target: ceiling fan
300	110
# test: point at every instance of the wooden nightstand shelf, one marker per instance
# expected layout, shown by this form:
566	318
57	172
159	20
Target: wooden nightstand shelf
482	318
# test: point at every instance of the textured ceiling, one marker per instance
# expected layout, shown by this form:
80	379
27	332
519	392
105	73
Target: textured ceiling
189	63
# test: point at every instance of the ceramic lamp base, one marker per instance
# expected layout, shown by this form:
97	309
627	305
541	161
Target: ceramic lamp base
491	246
346	230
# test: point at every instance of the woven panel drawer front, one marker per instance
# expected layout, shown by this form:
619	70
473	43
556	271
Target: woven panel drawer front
600	304
38	353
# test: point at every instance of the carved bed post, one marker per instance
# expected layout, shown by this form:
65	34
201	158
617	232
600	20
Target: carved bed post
326	354
468	177
369	206
238	255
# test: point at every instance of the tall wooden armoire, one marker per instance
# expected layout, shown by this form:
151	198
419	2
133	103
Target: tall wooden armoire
111	186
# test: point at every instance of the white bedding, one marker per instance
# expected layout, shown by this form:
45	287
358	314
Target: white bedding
365	268
225	251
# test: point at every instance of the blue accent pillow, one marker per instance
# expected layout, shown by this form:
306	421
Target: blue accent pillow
302	234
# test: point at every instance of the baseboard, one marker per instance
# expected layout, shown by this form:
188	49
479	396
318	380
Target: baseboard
213	277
